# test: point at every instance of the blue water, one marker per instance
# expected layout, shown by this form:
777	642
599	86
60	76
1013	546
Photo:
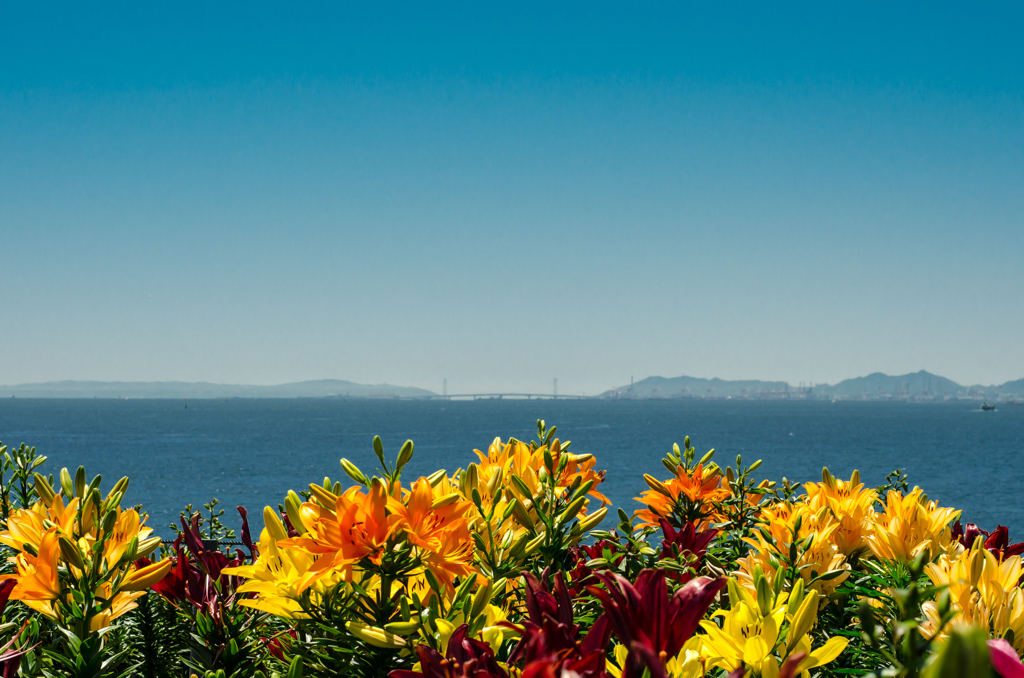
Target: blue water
250	452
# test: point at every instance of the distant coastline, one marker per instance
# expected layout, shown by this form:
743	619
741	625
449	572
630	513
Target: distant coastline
915	387
320	388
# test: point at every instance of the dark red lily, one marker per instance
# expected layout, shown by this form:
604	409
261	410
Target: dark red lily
172	586
580	574
10	660
465	658
550	646
997	541
687	540
650	623
197	576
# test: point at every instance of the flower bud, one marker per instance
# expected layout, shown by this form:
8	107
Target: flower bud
593	520
495	481
480	600
80	482
402	628
446	500
570	511
66	484
112	501
71	553
521	486
274	525
353	472
975	563
522	515
404	455
142	578
472	477
549	462
378	449
519	545
131	550
147	546
436	477
373	635
109	521
796	596
292	506
43	489
534	544
120	486
764	596
657	485
327	499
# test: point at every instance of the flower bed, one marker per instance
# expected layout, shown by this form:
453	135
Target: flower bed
509	567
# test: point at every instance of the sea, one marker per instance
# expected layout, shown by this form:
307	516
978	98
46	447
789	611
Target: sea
250	452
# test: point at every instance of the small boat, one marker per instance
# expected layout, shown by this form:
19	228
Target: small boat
985	407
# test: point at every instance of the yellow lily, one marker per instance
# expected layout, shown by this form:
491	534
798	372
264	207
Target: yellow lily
910	524
750	632
984	592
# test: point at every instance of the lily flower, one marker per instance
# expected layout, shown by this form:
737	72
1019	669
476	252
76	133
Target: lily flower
850	504
997	541
984	591
911	524
789	528
550	643
690	496
465	657
685	541
767	633
647	621
1004	659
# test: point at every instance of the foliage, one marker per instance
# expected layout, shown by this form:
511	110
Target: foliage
507	568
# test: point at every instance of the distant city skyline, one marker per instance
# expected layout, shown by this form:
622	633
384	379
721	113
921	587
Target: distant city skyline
501	196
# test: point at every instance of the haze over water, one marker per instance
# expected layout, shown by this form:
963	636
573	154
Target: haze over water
251	452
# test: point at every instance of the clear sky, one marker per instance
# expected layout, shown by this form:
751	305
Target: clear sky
500	195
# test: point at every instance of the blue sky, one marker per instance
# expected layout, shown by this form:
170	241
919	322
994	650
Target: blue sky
499	195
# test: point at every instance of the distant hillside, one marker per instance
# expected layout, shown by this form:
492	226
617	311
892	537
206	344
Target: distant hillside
694	387
321	388
1014	387
917	383
918	386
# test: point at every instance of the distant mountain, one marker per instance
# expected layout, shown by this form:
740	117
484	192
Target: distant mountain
919	386
694	387
321	388
917	383
1012	387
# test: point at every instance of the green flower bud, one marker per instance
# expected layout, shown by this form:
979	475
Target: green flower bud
404	455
